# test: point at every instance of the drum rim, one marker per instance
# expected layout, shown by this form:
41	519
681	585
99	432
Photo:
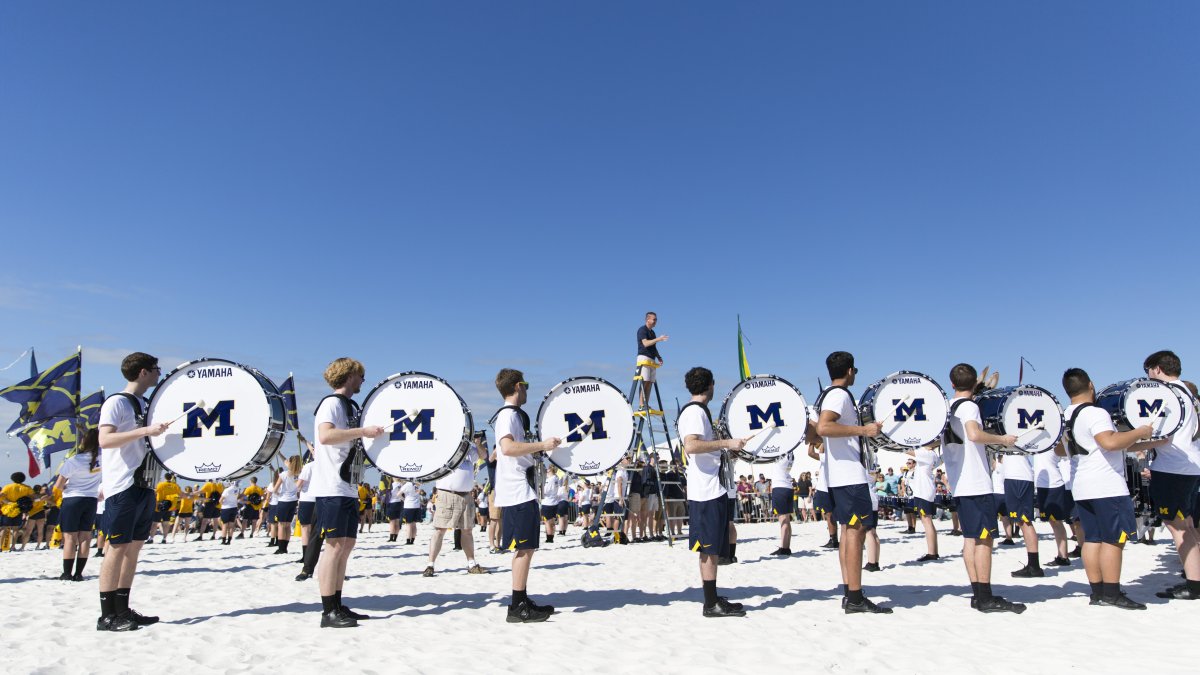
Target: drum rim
1121	403
1014	451
723	419
456	456
889	444
272	432
537	421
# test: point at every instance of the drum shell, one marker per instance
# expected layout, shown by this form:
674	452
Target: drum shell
800	416
992	405
621	429
371	450
866	412
1115	397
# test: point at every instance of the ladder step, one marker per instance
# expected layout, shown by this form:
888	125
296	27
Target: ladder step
643	413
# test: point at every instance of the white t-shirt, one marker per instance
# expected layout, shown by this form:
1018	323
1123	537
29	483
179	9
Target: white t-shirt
481	500
229	498
1181	455
511	486
922	476
326	476
618	487
119	464
967	469
550	489
998	480
462	478
842	463
1099	473
819	482
1018	467
396	496
82	481
288	490
1066	467
272	498
564	490
703	469
306	494
780	472
1046	471
411	495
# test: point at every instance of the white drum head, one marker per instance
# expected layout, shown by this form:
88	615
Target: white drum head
1155	403
1028	408
769	409
912	407
599	418
223	438
433	433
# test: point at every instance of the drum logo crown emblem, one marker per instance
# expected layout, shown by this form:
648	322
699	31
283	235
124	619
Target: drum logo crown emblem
594	427
219	416
1025	419
589	466
758	416
411	468
208	468
767	449
914	411
421	425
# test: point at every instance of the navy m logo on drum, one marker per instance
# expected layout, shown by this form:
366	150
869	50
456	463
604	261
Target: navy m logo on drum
594	427
1148	409
421	425
758	417
219	415
1025	419
914	411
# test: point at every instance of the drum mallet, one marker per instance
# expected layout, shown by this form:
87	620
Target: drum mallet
198	404
412	414
1040	426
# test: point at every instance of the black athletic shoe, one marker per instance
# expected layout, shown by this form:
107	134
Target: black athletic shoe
428	571
336	619
99	554
1029	572
955	533
78	576
735	605
65	576
782	552
864	607
724	560
302	576
1008	542
1121	601
241	536
1076	552
871	567
996	604
1179	592
140	619
928	557
724	608
832	543
910	531
1060	561
526	612
541	608
116	624
346	611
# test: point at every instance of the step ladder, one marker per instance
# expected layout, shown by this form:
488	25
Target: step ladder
646	416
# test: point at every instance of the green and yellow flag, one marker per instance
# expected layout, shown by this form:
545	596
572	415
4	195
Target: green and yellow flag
743	365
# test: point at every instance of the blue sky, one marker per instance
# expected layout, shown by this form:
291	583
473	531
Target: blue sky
454	187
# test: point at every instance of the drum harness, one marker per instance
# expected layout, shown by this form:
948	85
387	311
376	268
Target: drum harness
864	456
352	467
146	475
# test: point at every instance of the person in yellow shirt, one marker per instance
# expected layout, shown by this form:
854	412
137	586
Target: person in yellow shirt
250	512
35	520
16	499
186	511
166	504
364	507
210	508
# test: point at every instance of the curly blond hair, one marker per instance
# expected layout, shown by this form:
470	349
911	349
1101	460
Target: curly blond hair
341	369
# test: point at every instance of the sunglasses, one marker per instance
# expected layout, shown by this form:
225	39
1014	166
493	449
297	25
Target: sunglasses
524	383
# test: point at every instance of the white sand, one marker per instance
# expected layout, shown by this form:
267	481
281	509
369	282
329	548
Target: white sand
621	609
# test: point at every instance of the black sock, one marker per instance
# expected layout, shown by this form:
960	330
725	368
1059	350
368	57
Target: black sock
975	589
328	603
1111	591
1033	559
1097	588
985	590
518	597
311	556
283	545
303	551
1193	586
121	598
710	593
108	603
549	539
80	562
845	591
337	598
854	597
733	550
68	563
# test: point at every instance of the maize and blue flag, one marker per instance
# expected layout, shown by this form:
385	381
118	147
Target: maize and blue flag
288	389
58	434
47	395
33	371
89	410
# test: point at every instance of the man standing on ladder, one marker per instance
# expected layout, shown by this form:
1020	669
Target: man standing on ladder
648	358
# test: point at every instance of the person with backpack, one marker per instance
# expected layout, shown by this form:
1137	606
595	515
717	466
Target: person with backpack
129	495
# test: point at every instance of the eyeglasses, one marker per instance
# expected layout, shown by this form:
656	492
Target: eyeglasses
524	383
854	370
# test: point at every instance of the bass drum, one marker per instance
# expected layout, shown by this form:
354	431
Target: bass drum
593	419
1028	412
234	434
433	433
1140	401
771	412
911	406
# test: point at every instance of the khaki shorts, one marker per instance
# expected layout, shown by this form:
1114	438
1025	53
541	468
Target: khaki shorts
454	512
493	510
634	504
650	504
646	368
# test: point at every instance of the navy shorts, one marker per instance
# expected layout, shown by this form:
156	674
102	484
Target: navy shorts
411	515
708	526
564	508
520	529
1173	494
614	509
977	516
549	512
821	501
731	514
395	510
307	512
40	515
162	511
1018	500
284	512
586	508
212	510
1055	504
782	503
128	515
228	515
337	517
852	505
1108	520
77	514
923	508
998	500
249	514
